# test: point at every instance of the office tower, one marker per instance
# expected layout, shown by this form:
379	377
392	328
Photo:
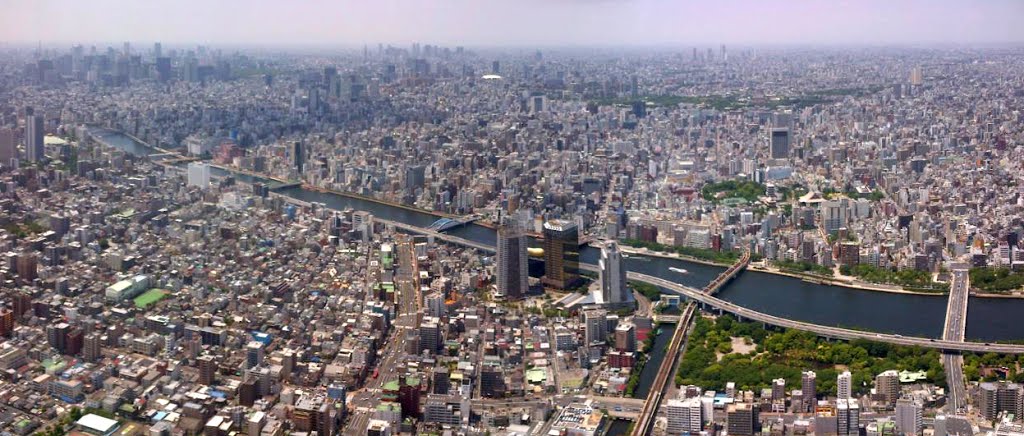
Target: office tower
908	417
157	50
34	146
684	416
741	419
253	354
442	380
297	156
779	389
496	67
313	100
834	215
595	324
916	78
199	174
415	177
843	385
887	387
492	381
430	335
779	144
513	266
207	369
8	147
809	388
625	337
561	254
163	68
612	274
848	417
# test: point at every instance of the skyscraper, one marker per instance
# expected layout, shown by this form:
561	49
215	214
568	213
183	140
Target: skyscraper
843	385
34	147
297	157
612	274
512	265
561	254
779	143
8	147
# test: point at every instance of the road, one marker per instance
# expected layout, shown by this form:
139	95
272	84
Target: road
409	302
954	330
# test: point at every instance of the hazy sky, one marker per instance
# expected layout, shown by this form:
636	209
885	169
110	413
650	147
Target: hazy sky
513	22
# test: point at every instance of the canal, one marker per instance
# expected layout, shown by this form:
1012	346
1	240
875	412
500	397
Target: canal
654	357
988	319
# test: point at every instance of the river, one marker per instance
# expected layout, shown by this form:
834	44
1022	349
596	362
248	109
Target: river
988	319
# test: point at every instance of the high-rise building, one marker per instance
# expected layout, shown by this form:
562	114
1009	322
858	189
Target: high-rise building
779	389
809	389
834	215
741	419
297	156
908	417
163	68
430	334
199	174
492	381
442	380
1001	397
56	335
34	146
595	325
513	266
684	416
843	385
887	387
916	78
8	147
779	144
6	322
415	177
561	254
625	337
612	274
92	349
207	369
253	354
848	416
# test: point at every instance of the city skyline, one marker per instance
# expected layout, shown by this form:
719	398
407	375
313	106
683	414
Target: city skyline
529	23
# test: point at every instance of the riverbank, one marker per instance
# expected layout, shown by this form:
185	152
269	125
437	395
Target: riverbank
646	252
872	287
